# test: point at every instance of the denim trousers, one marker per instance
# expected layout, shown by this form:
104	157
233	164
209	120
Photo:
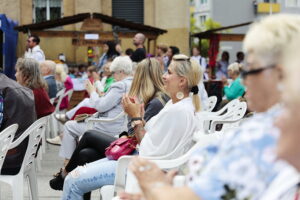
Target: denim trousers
89	177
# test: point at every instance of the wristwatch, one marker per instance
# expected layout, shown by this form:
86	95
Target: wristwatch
135	123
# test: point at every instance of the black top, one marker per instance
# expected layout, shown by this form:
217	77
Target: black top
138	55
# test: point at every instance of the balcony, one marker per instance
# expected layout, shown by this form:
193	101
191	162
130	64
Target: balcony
266	7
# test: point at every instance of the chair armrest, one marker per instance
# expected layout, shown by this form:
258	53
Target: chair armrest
214	124
120	179
93	119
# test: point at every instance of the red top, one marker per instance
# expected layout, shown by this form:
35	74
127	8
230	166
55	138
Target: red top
43	107
65	101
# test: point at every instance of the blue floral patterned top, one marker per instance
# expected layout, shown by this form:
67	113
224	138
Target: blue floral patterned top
242	166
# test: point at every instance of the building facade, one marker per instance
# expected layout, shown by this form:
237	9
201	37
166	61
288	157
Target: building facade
231	12
171	15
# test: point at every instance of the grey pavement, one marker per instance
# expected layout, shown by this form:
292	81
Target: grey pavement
51	164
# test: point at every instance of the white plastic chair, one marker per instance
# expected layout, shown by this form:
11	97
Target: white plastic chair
94	119
125	180
206	118
231	120
53	123
210	104
6	137
34	132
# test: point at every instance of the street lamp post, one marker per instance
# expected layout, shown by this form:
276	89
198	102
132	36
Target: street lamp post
271	8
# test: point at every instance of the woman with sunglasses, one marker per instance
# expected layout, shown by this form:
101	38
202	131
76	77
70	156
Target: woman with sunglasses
170	129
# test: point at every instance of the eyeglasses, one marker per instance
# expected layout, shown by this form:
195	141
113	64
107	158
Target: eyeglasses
181	59
246	73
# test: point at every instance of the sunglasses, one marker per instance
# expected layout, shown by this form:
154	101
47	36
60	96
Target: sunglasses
245	73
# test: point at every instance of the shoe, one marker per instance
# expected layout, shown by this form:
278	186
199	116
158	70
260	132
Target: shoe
55	141
57	183
61	118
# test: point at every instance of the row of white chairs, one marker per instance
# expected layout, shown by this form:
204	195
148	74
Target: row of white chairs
228	117
34	134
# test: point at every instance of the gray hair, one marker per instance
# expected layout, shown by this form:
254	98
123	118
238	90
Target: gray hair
49	64
121	63
30	72
267	39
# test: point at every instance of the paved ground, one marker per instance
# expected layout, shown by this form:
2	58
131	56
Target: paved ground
50	165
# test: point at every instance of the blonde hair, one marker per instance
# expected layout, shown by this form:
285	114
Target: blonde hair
235	67
291	70
189	69
267	38
147	82
30	72
59	70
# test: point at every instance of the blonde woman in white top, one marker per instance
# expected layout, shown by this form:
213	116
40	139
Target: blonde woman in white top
169	131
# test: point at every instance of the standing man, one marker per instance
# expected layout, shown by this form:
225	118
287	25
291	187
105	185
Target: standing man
140	52
33	49
48	71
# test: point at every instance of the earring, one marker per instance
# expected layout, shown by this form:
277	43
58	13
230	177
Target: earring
179	95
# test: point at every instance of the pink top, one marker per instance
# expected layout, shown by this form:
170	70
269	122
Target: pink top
68	85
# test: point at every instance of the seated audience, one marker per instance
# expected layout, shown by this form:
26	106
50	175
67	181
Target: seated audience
18	104
243	165
87	102
48	71
235	89
28	74
108	106
147	84
169	131
66	81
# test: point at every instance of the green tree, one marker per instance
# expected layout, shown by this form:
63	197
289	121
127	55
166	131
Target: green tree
207	25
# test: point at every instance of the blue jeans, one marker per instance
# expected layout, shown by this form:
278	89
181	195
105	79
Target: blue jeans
89	177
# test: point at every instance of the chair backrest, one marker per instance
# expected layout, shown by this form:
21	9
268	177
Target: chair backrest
61	94
130	183
34	132
211	103
231	120
6	137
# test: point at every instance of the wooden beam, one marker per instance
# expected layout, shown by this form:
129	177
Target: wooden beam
76	34
232	37
227	37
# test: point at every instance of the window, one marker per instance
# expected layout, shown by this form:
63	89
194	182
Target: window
203	1
130	10
202	19
292	3
270	1
46	10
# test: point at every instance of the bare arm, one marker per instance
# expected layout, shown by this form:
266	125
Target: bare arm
170	193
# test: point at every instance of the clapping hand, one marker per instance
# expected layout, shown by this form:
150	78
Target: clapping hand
132	106
89	87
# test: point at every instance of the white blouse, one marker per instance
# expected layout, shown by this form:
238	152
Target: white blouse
170	130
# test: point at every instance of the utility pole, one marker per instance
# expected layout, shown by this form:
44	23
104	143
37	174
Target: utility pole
271	7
